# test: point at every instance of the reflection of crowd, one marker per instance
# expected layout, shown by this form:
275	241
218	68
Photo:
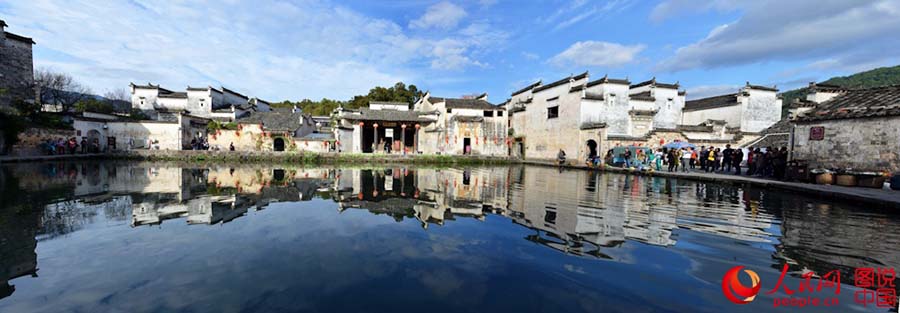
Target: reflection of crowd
62	146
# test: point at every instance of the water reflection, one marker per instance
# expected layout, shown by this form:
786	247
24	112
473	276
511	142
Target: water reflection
578	213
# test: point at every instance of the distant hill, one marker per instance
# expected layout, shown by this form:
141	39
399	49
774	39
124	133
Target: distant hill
882	76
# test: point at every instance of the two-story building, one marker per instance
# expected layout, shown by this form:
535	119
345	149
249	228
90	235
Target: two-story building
465	126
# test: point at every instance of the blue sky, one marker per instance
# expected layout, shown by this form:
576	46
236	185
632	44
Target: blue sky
280	50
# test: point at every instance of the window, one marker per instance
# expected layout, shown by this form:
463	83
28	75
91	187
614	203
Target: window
488	113
669	104
553	112
449	110
499	113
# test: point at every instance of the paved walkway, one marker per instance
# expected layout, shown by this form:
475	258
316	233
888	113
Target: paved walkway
876	198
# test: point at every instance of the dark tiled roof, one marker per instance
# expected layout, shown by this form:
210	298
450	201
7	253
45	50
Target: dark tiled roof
593	96
862	103
234	92
435	99
643	112
366	114
19	38
607	80
711	102
553	98
560	82
654	83
389	103
580	76
175	95
3	24
825	87
758	87
682	93
695	128
527	88
576	88
469	104
802	103
198	88
467	119
593	125
274	121
642	96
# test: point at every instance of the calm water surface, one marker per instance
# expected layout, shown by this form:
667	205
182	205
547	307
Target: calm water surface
129	237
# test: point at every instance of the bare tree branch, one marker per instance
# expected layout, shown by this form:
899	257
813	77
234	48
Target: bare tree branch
59	89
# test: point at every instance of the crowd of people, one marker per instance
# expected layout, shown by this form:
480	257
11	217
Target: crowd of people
62	146
766	162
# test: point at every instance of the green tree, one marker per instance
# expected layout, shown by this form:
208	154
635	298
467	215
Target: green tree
94	105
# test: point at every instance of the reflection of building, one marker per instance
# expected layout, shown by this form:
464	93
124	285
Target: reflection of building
17	245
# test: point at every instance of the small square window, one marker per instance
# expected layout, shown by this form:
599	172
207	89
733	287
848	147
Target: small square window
553	112
449	110
499	113
488	113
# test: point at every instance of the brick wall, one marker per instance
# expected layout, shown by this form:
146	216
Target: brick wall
32	137
16	71
864	144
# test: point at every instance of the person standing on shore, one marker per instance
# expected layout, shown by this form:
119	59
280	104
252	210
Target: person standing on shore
659	159
751	158
737	157
561	157
685	159
693	158
726	158
627	157
704	156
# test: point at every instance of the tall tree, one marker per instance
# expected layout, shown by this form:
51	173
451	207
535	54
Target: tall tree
59	89
118	94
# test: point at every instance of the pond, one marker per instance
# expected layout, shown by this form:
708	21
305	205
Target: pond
155	237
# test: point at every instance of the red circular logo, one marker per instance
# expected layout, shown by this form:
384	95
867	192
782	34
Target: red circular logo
737	292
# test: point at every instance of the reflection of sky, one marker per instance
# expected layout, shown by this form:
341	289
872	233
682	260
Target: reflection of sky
309	256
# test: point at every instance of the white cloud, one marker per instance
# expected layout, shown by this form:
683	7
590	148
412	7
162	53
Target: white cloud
300	50
576	11
674	8
597	53
530	56
699	92
443	15
795	31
